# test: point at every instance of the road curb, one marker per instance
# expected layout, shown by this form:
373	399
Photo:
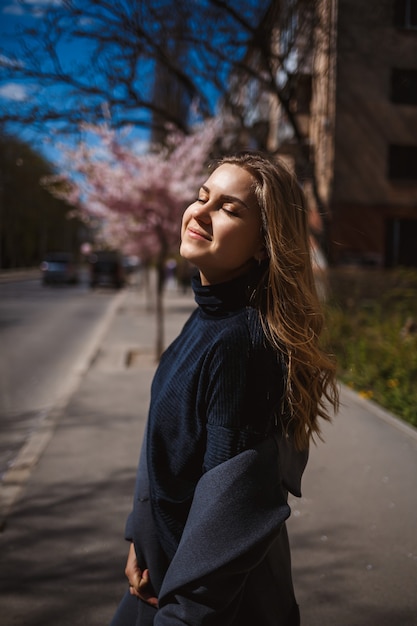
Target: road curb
29	273
15	479
380	412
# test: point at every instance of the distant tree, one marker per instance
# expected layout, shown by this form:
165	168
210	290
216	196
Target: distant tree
137	198
31	221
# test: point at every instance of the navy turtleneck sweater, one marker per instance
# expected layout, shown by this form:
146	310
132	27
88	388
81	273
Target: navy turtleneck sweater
217	391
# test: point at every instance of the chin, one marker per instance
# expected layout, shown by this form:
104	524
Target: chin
186	253
183	251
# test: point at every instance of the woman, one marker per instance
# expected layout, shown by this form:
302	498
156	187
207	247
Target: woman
234	403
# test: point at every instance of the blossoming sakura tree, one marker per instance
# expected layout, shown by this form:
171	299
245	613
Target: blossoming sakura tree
136	198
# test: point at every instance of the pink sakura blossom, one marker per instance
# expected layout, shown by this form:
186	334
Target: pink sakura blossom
137	198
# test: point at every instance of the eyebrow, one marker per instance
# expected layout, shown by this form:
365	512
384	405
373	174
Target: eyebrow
228	198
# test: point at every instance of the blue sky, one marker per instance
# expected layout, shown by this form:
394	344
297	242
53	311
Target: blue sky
13	16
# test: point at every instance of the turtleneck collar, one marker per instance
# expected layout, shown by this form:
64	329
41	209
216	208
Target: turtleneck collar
222	299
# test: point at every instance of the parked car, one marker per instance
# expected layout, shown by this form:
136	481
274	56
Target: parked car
107	269
131	264
59	267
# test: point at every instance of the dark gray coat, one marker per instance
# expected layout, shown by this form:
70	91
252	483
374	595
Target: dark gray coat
233	564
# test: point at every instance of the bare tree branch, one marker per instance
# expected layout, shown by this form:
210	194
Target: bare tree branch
136	58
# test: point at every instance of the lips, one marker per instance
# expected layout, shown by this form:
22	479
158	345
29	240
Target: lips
196	233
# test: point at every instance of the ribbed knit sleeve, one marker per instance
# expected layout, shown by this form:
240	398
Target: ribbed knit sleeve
244	393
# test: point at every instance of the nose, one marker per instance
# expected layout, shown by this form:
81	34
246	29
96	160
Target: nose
201	212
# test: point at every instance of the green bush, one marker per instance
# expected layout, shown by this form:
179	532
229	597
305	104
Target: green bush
371	327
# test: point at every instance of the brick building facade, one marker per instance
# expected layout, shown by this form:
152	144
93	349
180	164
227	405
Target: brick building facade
363	129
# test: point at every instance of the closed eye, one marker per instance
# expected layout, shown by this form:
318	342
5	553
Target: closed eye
233	207
229	209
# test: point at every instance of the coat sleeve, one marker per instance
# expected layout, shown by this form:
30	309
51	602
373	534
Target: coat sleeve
245	385
238	510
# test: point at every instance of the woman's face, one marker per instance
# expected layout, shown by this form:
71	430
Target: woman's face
221	230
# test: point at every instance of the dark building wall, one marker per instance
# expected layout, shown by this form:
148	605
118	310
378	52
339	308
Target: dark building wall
375	168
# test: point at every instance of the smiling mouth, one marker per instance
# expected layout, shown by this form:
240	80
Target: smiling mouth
199	234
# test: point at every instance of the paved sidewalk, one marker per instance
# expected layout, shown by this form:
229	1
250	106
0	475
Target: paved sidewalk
62	549
354	532
19	274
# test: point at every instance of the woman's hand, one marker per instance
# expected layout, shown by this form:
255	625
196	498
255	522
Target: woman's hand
139	584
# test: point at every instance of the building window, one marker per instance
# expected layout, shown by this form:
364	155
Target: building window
404	86
402	163
400	242
405	13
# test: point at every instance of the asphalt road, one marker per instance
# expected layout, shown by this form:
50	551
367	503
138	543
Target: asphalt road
45	334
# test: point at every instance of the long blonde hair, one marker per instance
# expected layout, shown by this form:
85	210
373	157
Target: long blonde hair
286	295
